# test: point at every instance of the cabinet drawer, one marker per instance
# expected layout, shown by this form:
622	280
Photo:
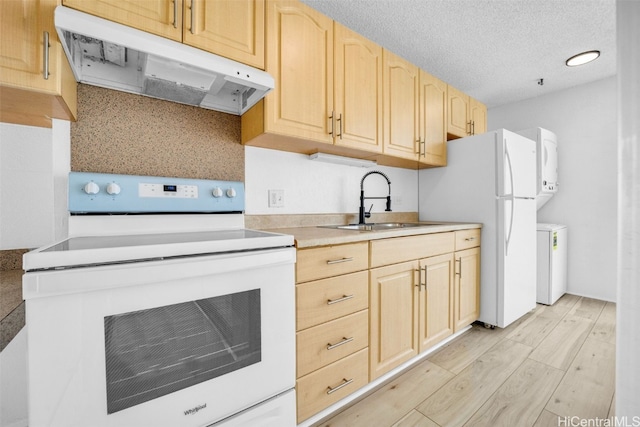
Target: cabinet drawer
327	299
324	344
466	239
326	386
328	261
400	249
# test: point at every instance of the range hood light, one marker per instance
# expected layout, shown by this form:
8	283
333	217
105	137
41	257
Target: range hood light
340	160
583	58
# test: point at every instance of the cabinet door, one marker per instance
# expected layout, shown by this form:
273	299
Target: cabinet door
457	113
436	300
22	46
161	17
300	59
393	309
478	116
433	120
230	28
401	107
467	288
28	96
357	90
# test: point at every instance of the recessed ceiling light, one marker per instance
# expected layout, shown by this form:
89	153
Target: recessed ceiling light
582	58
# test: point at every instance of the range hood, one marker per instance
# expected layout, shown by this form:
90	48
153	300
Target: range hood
110	55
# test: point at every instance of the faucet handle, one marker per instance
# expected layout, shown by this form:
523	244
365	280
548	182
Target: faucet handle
368	213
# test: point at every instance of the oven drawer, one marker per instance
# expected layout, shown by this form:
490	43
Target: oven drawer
329	261
326	386
466	239
326	343
328	299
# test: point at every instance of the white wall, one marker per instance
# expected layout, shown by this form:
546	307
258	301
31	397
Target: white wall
34	163
584	119
628	315
312	187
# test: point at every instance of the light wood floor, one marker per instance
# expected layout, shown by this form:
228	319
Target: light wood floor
557	361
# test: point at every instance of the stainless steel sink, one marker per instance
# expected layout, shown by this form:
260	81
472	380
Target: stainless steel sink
380	226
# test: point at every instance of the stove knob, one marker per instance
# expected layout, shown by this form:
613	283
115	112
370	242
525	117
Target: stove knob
91	188
113	188
217	192
231	192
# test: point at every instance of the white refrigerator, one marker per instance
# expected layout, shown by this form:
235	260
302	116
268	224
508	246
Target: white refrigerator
491	178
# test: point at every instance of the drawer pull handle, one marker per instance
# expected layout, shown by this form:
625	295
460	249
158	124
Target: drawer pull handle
469	239
339	343
338	261
335	301
345	382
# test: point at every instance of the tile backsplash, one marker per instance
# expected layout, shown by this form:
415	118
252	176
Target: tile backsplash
122	133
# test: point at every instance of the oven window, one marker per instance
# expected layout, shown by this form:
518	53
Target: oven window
150	353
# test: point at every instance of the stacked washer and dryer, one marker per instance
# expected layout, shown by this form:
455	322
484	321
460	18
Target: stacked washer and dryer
551	238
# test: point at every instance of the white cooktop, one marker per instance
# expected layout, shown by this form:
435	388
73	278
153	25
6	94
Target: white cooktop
99	250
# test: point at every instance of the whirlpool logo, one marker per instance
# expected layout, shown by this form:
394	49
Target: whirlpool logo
195	410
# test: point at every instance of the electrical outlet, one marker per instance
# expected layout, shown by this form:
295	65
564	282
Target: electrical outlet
276	198
396	200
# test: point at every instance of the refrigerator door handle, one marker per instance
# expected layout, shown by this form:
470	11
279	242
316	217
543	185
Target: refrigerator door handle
509	197
507	239
507	157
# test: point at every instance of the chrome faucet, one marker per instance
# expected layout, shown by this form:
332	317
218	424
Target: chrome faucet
364	214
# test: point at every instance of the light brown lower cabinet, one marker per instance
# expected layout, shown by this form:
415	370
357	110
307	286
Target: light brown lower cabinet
411	310
393	307
436	300
467	287
366	308
331	341
332	323
326	386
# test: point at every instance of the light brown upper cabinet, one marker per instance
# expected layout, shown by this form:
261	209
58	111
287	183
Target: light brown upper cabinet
478	116
467	116
401	107
414	113
230	28
358	91
328	86
300	59
36	83
433	121
337	92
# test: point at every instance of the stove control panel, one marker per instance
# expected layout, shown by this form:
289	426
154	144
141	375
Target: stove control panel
119	194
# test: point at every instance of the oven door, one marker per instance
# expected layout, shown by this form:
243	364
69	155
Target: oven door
185	341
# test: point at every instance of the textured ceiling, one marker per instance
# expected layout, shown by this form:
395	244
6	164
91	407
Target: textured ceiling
494	50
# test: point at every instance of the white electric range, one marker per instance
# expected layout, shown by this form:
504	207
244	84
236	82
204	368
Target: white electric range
160	309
